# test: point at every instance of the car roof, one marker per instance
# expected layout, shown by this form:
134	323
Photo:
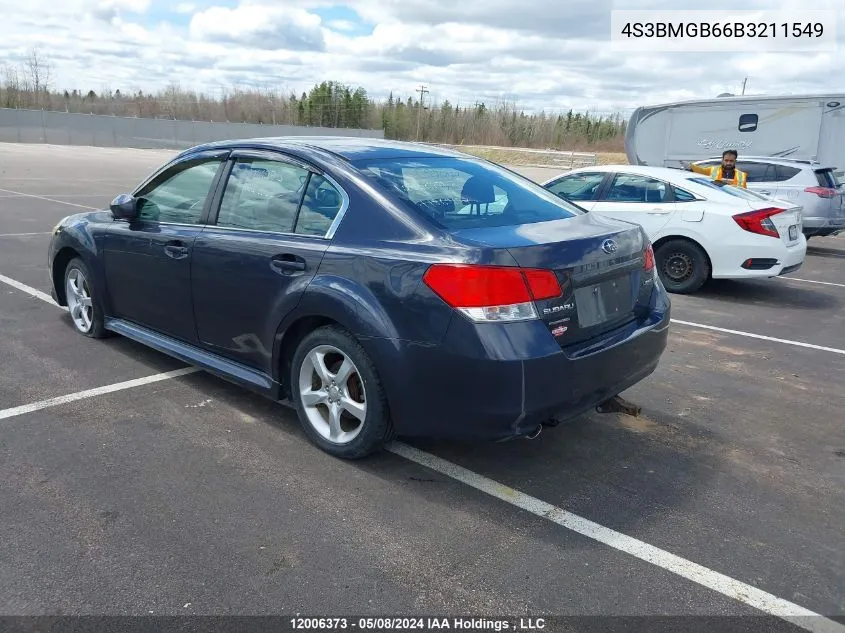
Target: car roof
642	170
776	160
349	148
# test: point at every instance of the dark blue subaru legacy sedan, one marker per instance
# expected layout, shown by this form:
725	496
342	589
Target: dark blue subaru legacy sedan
381	288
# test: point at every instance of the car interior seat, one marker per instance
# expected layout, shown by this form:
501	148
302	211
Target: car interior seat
477	191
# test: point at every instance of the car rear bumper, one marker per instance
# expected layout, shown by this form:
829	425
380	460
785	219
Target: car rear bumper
822	226
782	259
498	381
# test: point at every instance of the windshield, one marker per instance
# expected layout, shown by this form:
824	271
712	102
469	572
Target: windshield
827	178
459	193
732	190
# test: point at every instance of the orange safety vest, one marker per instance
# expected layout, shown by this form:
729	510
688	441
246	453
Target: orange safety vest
739	179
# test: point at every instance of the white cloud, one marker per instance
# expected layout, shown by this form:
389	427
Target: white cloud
468	51
260	26
342	25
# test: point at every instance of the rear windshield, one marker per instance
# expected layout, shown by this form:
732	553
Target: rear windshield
459	193
738	192
827	178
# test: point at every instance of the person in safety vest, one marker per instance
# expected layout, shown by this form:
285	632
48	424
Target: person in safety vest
726	172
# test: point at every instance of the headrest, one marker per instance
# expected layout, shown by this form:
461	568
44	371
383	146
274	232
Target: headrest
477	190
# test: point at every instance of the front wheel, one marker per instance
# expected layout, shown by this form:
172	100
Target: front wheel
682	265
82	303
338	395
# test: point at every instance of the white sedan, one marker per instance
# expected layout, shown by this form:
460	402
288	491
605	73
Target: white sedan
700	229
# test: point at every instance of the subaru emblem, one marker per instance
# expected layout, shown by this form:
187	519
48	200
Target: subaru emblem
609	246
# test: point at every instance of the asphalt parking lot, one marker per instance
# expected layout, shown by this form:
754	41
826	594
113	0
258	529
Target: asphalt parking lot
186	495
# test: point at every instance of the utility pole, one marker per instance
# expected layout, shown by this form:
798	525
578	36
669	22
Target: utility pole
422	90
743	85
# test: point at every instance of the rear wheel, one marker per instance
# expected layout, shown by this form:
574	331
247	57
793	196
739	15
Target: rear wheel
682	265
338	395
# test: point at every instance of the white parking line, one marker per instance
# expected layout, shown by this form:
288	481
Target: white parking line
725	585
30	291
694	572
785	341
23	234
811	281
81	395
60	195
747	594
30	195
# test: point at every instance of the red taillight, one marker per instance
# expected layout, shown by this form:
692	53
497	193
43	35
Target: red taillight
543	284
648	259
759	221
492	293
822	192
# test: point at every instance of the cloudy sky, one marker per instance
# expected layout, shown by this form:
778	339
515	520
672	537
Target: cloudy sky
538	53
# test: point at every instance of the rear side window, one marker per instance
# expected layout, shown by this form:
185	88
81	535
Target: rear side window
635	188
459	193
683	196
784	172
262	195
827	178
757	172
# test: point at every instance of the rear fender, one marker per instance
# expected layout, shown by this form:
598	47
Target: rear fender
334	299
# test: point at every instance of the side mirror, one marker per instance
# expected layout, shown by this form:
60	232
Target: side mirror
124	207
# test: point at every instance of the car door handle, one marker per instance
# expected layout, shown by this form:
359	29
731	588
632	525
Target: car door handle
287	263
659	211
176	250
764	191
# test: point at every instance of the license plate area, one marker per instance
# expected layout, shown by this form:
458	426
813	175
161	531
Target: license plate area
793	232
602	302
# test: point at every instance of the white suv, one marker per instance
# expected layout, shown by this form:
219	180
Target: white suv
806	183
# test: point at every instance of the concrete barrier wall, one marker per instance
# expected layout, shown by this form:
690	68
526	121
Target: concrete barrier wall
63	128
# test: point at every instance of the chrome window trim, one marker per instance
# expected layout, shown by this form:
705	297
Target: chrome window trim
239	229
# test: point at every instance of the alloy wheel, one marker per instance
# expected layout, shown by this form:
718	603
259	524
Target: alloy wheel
332	393
79	301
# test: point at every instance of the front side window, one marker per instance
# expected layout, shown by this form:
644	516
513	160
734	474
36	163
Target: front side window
458	193
179	194
578	187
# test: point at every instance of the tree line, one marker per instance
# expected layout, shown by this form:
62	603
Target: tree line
328	104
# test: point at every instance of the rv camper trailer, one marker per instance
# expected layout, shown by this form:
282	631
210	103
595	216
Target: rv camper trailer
804	127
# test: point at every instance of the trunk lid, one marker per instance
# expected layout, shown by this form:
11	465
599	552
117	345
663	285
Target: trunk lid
789	224
598	262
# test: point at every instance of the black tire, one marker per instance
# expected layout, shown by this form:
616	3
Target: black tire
682	265
376	430
97	328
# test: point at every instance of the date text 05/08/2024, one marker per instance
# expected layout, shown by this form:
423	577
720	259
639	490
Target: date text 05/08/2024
417	624
719	30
